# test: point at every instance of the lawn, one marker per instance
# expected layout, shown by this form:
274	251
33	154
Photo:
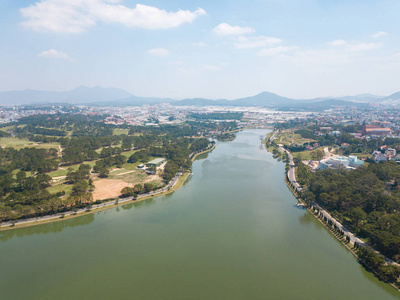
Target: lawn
120	131
62	171
289	137
18	143
306	155
362	155
59	188
129	153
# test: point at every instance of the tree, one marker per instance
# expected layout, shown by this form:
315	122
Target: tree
317	155
138	188
148	187
127	192
80	187
356	214
103	172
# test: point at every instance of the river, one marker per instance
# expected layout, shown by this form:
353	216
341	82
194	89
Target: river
231	232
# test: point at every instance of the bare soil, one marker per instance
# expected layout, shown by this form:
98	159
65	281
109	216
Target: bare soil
108	188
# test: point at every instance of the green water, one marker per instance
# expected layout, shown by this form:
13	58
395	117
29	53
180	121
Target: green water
232	232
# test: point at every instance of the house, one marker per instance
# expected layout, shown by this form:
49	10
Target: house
380	157
335	133
390	152
344	145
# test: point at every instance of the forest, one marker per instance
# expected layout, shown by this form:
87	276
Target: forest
24	172
367	200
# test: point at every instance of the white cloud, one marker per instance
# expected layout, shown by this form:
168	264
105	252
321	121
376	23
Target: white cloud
158	52
379	34
275	51
255	42
211	68
354	46
337	43
226	29
363	46
74	16
55	54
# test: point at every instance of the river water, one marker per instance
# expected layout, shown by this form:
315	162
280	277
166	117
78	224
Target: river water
231	232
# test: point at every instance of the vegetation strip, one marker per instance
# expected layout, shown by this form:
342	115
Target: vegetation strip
356	249
101	207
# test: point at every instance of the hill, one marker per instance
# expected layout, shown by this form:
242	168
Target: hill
78	95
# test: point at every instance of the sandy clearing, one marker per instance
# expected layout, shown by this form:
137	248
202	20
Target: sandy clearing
108	188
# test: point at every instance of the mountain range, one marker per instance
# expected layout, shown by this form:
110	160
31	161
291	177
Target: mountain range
119	97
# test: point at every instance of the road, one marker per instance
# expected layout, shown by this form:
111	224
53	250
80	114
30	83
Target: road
292	169
292	179
340	226
327	154
353	238
273	137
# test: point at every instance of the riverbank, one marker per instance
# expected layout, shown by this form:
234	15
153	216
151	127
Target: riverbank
342	234
179	179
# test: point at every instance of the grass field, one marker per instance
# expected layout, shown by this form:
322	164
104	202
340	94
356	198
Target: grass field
129	153
59	188
62	171
361	155
306	155
18	143
288	137
120	131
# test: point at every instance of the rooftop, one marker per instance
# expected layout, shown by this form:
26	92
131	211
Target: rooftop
157	161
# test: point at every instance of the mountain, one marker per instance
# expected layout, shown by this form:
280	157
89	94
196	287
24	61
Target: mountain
366	98
395	96
118	97
264	99
78	95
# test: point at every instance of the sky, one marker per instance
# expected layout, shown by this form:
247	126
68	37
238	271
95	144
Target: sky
212	49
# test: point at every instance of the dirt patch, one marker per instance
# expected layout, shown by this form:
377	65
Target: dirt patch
108	188
124	173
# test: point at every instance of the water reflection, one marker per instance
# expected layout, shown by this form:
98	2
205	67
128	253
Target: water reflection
143	203
54	227
203	155
306	218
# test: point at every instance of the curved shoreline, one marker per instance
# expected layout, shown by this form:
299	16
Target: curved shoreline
295	193
68	215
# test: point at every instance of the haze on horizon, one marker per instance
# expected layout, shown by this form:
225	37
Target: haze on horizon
176	49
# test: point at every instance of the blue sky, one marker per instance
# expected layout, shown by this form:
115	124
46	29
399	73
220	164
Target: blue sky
213	49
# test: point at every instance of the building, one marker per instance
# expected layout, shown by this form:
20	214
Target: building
375	130
390	152
335	133
344	145
339	162
380	157
156	162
